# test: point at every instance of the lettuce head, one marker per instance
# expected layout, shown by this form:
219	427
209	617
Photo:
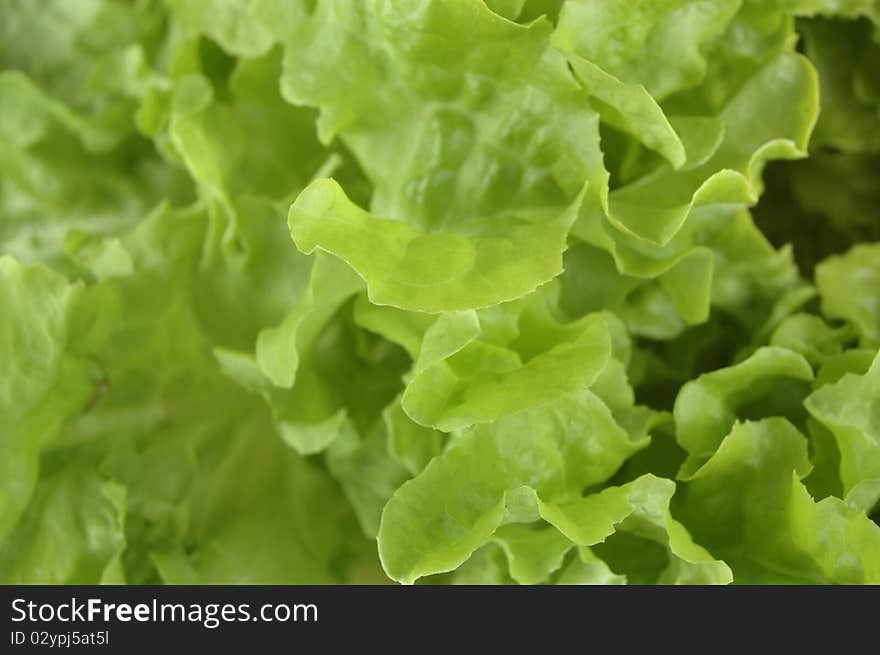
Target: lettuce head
440	291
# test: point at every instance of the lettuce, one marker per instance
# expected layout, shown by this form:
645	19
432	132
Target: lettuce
439	291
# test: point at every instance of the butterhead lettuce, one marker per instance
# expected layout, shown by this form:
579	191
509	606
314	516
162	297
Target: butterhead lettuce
440	291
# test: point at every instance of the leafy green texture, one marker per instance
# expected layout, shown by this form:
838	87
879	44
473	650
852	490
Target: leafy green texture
443	291
754	512
658	44
656	206
498	474
85	543
848	408
849	286
477	210
626	524
406	268
772	382
43	385
469	380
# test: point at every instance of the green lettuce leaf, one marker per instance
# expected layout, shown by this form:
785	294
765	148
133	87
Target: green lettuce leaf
439	291
87	536
493	475
748	506
240	28
772	382
659	44
848	285
43	383
461	379
847	409
811	337
785	91
493	261
489	189
630	527
533	552
845	57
